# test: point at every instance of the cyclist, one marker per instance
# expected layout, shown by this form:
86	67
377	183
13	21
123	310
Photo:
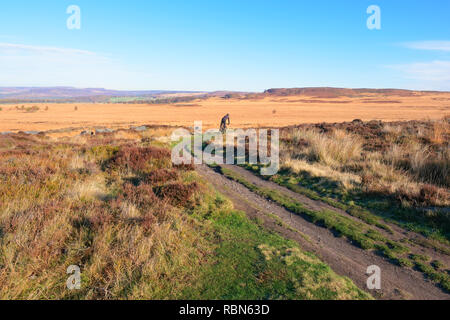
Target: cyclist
224	124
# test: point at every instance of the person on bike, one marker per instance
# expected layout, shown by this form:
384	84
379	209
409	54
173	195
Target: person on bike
223	123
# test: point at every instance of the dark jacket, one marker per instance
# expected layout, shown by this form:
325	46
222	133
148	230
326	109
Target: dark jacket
225	119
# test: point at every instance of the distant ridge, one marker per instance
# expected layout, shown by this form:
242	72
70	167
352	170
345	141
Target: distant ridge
328	92
71	92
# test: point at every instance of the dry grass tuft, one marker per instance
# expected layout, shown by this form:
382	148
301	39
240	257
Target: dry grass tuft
408	161
338	148
61	205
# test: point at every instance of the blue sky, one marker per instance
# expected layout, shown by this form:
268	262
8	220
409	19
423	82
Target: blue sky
225	45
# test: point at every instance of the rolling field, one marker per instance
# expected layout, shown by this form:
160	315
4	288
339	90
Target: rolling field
257	111
348	195
225	160
138	227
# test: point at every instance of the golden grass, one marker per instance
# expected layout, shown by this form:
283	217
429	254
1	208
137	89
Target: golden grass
54	212
334	150
257	112
347	179
137	227
415	165
441	129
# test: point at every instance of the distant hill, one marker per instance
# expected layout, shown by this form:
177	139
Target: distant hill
71	94
54	93
326	92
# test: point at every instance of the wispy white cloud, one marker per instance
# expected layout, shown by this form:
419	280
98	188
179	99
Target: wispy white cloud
433	75
12	47
429	45
30	65
428	71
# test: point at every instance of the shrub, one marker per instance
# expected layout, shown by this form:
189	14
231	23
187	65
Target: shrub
428	194
185	167
103	152
161	176
147	222
177	194
100	218
142	196
31	109
434	169
140	160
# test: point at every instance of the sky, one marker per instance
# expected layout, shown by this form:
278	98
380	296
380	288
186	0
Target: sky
241	45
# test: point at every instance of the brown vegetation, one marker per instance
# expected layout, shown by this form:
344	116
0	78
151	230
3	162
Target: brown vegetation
250	110
140	160
410	161
58	207
138	227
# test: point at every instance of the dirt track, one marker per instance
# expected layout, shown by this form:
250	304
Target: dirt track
343	257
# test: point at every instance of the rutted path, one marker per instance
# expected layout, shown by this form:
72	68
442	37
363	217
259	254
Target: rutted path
397	233
343	257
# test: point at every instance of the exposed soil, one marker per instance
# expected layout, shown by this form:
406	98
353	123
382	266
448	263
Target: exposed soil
343	257
398	232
